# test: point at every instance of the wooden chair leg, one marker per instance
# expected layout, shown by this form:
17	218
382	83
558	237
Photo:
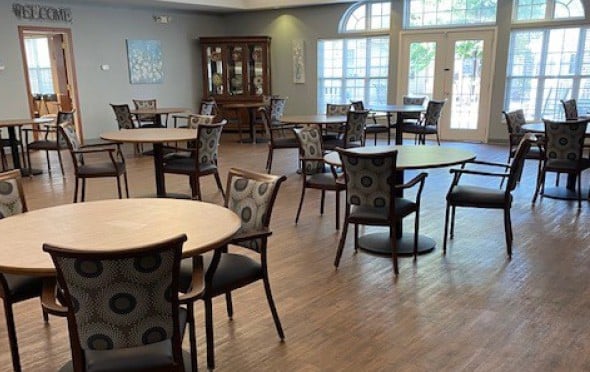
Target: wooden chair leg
453	222
300	204
61	163
273	308
508	232
209	333
126	184
393	240
338	210
322	200
76	190
269	160
192	334
48	162
219	186
446	229
12	340
83	189
342	241
229	305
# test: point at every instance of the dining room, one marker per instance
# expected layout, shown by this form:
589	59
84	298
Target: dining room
486	297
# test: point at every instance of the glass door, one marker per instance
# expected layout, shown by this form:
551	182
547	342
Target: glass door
455	66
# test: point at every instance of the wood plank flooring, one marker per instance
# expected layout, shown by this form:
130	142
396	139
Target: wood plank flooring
469	310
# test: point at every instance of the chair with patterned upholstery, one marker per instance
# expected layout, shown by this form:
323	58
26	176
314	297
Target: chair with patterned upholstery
82	170
428	125
412	117
15	288
278	136
353	134
372	198
208	108
147	120
251	196
564	145
315	174
123	307
514	121
124	117
570	109
49	140
372	128
461	195
333	131
202	160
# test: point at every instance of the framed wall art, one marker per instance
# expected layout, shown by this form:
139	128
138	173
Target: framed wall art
298	62
145	61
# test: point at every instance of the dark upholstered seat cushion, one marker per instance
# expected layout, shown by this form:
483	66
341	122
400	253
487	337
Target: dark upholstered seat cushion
376	128
420	129
186	165
322	180
23	287
478	197
403	207
233	271
101	169
141	358
290	142
534	153
46	145
566	165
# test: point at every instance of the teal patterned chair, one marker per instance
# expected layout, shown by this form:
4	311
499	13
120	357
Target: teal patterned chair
463	195
570	109
277	135
372	198
354	131
428	124
123	307
315	174
15	288
251	196
564	145
147	120
115	167
202	160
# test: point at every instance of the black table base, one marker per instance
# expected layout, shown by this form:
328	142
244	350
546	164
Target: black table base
563	193
378	243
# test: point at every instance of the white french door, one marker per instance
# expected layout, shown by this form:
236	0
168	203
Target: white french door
452	65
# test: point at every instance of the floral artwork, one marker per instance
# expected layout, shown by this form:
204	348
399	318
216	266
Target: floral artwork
298	62
145	61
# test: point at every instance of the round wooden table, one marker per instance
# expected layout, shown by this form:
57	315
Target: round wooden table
400	110
318	119
10	125
158	112
157	137
408	157
111	224
250	109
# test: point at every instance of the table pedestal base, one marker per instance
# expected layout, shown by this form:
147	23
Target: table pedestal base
378	243
34	172
563	193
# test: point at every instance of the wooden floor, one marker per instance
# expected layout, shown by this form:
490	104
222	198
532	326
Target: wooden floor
471	310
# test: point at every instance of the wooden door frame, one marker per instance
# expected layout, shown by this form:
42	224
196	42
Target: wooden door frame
70	67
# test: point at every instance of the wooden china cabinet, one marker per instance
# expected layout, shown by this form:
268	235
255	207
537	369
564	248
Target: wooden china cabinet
236	69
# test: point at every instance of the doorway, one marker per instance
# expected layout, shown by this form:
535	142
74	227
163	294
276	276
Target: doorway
50	75
456	66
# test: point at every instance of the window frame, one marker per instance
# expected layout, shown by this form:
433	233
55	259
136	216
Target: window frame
368	12
549	15
407	26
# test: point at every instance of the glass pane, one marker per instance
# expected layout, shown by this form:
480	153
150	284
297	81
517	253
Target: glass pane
330	91
583	100
585	68
450	12
466	84
526	51
569	9
380	15
256	69
234	71
354	90
215	70
39	65
554	91
357	21
356	58
528	10
379	54
522	94
421	73
377	91
561	53
331	58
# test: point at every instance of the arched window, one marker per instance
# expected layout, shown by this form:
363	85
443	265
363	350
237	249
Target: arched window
366	16
543	10
441	13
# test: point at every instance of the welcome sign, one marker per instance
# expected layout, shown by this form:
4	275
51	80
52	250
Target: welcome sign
42	13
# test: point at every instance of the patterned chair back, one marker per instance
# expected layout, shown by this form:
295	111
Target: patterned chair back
410	100
67	131
145	104
369	178
208	107
357	105
570	108
355	126
515	120
251	196
195	120
123	115
310	146
564	140
208	136
265	116
337	109
277	109
62	117
433	112
12	197
120	299
517	164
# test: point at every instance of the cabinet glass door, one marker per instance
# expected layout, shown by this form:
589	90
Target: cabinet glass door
214	71
235	74
256	69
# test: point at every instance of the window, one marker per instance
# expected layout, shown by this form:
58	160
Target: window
431	13
366	16
39	65
353	69
545	66
540	10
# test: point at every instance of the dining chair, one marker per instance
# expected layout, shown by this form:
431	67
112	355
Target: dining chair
514	122
372	197
461	195
564	146
278	136
202	160
251	196
207	108
333	131
412	117
371	128
49	140
353	134
147	120
83	170
123	306
570	108
15	288
428	124
315	173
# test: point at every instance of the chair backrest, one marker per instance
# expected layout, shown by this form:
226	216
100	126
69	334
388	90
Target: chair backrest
123	115
145	104
62	117
564	140
517	164
251	196
208	107
67	131
208	136
357	105
120	298
570	108
515	120
12	197
411	100
310	146
337	109
369	178
433	112
195	120
265	115
355	126
277	109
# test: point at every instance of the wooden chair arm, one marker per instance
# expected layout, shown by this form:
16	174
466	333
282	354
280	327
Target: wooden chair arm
197	283
413	182
49	298
251	235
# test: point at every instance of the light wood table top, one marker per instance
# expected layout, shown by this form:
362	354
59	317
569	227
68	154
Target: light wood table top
111	224
413	157
398	108
159	111
150	135
20	122
314	119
